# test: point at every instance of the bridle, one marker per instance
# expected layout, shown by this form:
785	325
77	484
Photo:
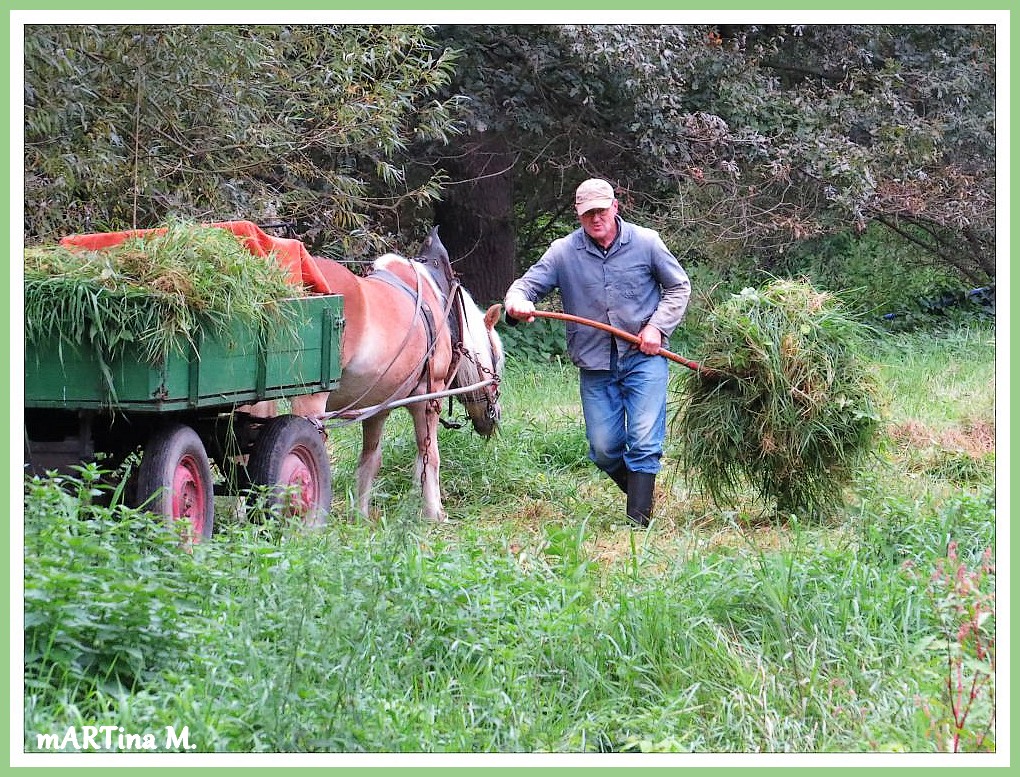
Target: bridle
489	394
442	272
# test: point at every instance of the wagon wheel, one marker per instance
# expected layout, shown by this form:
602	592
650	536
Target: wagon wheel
290	459
175	479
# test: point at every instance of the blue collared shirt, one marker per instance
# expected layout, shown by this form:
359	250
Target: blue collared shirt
636	282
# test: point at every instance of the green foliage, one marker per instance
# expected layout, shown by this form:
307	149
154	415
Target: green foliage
109	598
540	341
741	140
748	139
786	405
875	275
387	639
872	276
960	585
829	128
126	125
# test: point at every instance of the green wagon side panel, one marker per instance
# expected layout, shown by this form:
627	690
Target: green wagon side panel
301	356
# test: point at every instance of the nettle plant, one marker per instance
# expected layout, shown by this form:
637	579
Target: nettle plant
109	595
962	596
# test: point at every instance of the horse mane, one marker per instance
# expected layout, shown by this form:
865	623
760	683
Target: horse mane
491	347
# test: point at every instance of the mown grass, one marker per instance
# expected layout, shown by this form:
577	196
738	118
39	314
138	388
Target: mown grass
155	291
537	620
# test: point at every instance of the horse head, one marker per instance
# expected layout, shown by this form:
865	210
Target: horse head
482	359
481	350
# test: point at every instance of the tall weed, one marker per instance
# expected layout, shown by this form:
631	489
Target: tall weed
960	651
108	593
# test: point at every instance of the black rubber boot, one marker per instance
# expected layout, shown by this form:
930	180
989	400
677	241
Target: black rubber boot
640	490
619	476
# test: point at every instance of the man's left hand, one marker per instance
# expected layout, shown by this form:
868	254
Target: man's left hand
650	340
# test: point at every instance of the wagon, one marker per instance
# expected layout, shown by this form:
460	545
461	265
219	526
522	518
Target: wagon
189	412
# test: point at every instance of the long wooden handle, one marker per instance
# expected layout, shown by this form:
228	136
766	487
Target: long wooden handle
621	334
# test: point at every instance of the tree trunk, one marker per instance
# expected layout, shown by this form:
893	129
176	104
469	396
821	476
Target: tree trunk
475	217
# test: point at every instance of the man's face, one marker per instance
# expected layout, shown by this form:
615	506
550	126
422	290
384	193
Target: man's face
600	223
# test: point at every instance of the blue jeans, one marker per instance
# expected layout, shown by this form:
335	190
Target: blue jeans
625	412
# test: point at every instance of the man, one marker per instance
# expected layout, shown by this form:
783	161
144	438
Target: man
621	274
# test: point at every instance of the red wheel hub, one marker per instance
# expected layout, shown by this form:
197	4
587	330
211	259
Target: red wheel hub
189	500
297	473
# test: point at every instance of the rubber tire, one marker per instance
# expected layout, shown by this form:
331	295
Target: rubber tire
290	451
175	479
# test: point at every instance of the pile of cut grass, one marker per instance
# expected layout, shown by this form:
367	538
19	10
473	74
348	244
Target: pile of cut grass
788	405
156	291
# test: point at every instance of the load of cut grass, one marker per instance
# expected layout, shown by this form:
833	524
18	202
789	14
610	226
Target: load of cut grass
787	404
157	291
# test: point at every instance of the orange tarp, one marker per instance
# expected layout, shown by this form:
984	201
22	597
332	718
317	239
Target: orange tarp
291	254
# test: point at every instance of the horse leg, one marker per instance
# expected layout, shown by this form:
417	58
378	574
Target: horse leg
426	466
370	459
310	405
267	408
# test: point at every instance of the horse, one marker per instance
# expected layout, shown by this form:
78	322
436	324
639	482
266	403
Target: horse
480	349
410	331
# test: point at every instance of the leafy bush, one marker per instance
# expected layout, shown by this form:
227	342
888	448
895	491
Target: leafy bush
542	340
108	590
883	278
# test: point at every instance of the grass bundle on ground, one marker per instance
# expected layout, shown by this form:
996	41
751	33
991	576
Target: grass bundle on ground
788	405
158	290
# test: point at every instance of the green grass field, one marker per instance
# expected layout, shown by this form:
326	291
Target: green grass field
537	620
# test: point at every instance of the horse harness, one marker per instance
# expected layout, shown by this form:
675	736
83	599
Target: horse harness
422	311
456	324
456	316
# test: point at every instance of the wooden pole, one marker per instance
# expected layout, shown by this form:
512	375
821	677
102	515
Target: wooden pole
693	365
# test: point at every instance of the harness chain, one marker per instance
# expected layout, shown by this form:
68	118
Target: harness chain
462	351
482	369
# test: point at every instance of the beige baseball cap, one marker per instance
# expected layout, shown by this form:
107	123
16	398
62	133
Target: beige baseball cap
593	193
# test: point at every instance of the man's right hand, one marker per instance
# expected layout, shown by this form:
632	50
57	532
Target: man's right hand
522	310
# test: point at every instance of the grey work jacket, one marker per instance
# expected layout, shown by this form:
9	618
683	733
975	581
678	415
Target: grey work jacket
637	282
